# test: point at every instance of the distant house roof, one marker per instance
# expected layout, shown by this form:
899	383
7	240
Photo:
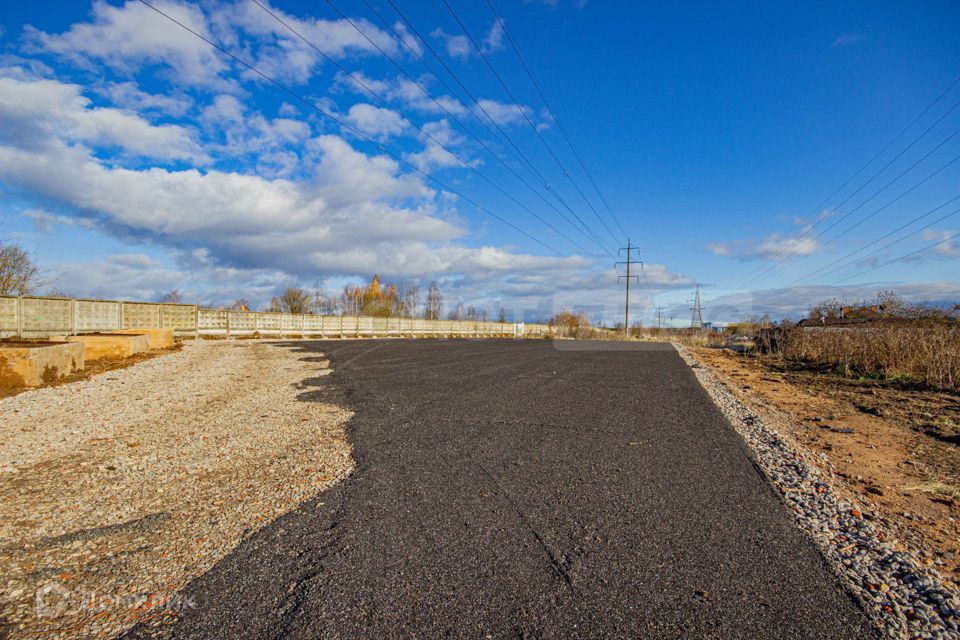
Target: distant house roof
853	322
835	322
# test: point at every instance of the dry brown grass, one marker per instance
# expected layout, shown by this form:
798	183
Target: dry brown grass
921	352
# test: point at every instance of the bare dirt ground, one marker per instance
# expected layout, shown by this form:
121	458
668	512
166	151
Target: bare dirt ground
118	489
895	448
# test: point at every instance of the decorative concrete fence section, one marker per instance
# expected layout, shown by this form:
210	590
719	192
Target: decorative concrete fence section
96	315
36	317
40	317
30	364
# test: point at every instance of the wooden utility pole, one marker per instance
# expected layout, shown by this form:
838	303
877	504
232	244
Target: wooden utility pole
626	308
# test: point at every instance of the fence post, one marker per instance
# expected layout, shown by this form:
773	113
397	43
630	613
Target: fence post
20	316
73	317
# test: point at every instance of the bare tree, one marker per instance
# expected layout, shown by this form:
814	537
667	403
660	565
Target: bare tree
295	300
323	303
19	275
411	299
434	309
502	315
459	312
485	316
240	304
172	297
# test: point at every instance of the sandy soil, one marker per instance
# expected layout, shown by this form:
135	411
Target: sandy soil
116	490
896	448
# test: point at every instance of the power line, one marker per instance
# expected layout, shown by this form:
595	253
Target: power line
904	257
553	114
510	145
353	130
884	237
526	117
869	162
416	126
871	197
895	242
585	230
517	152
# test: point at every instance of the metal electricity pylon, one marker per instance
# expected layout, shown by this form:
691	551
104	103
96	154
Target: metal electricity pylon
696	317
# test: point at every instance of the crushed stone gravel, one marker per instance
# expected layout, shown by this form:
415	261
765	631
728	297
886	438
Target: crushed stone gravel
904	596
117	490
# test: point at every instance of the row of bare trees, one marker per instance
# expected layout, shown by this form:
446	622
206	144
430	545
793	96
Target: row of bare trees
20	275
377	299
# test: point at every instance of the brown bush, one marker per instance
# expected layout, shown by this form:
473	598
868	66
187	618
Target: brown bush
924	352
569	324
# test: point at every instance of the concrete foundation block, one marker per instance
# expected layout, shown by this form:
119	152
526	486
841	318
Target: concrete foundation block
111	345
30	364
159	338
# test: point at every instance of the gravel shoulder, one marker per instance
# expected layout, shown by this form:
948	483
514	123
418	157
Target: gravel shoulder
117	490
895	447
898	584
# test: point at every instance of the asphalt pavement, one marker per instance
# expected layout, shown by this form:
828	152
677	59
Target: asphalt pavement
526	489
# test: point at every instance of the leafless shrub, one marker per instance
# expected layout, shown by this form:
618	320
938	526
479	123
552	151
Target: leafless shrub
172	297
295	300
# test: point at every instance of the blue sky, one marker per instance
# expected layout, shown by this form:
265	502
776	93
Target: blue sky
135	158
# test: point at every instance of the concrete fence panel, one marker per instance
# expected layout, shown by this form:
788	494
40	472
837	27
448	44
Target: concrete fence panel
268	322
331	325
45	316
241	322
9	314
291	322
350	326
35	316
213	321
182	318
91	316
364	326
312	324
140	315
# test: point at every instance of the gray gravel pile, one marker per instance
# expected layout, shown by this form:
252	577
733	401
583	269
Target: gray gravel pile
903	596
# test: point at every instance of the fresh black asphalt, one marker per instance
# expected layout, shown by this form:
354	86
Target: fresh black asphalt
526	489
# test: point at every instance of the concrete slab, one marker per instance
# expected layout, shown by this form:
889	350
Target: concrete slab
30	364
159	338
111	345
